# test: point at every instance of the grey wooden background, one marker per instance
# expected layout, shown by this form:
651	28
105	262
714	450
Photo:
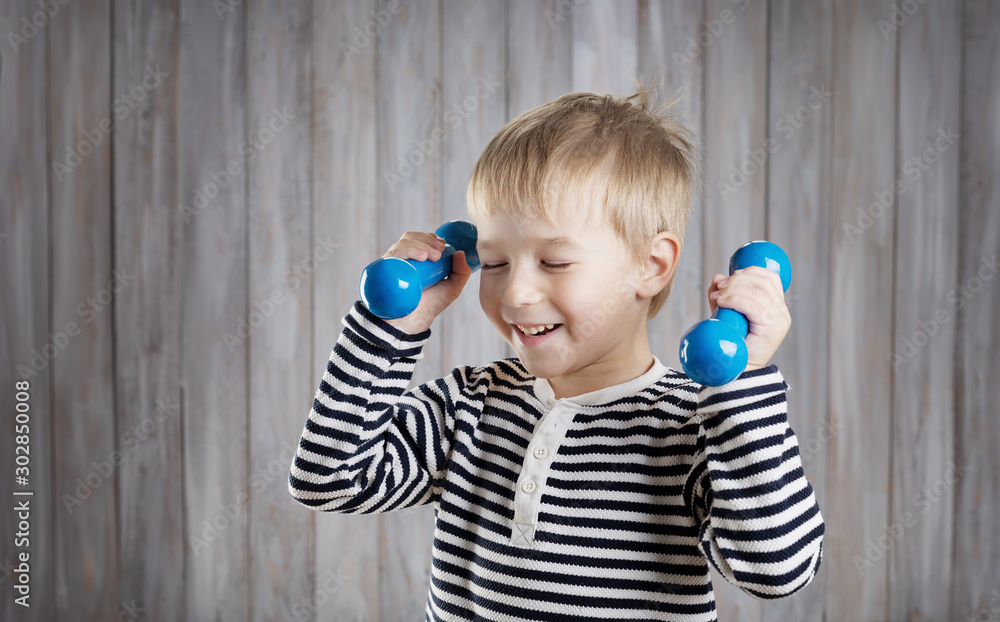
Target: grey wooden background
173	291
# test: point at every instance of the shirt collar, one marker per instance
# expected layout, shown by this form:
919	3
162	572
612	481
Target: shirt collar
545	394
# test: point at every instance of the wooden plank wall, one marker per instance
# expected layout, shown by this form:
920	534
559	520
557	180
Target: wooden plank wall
25	273
973	302
147	235
189	191
213	133
798	208
86	560
861	296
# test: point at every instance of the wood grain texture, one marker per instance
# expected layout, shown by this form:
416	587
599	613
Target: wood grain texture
735	126
87	570
410	128
605	46
798	209
605	50
733	41
976	569
345	187
25	278
539	54
861	296
923	346
666	32
147	311
283	250
213	157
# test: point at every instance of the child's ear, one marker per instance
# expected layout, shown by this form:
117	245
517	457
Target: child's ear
661	262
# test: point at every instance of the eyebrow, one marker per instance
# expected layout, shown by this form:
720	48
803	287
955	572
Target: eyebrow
560	242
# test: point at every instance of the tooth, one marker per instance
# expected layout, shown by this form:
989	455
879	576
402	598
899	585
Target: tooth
534	330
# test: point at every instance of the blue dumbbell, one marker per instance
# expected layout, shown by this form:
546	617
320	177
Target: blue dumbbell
391	287
714	351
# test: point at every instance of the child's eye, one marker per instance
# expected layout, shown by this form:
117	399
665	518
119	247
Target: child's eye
547	264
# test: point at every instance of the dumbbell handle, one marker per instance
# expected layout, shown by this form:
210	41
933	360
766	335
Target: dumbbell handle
713	352
391	287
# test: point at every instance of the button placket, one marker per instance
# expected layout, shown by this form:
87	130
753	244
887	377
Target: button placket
537	459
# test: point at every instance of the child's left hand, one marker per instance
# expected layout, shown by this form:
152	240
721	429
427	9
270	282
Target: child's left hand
756	293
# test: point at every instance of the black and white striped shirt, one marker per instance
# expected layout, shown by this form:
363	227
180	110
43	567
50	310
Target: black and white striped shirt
603	506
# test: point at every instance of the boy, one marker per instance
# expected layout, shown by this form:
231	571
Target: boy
582	479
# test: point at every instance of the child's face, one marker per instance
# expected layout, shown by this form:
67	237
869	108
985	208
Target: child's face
602	336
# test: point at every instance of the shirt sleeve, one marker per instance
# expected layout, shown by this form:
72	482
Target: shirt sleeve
368	444
758	520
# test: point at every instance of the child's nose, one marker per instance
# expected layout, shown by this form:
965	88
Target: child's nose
523	287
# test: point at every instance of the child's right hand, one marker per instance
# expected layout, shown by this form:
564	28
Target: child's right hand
420	246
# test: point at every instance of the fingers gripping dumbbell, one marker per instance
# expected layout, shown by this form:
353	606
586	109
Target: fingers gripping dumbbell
391	287
714	351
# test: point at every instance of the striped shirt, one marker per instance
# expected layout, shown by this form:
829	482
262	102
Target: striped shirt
603	506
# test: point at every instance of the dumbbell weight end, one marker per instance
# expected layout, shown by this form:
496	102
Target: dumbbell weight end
713	352
391	287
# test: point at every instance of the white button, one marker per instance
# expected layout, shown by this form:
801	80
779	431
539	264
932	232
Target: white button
541	452
528	486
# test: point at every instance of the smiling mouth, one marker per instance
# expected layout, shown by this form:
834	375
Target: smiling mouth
536	331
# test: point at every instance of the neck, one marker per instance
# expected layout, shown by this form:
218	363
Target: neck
615	368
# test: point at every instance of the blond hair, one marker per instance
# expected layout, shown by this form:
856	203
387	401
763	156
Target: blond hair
638	161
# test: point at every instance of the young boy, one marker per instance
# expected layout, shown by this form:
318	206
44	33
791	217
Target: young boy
582	479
